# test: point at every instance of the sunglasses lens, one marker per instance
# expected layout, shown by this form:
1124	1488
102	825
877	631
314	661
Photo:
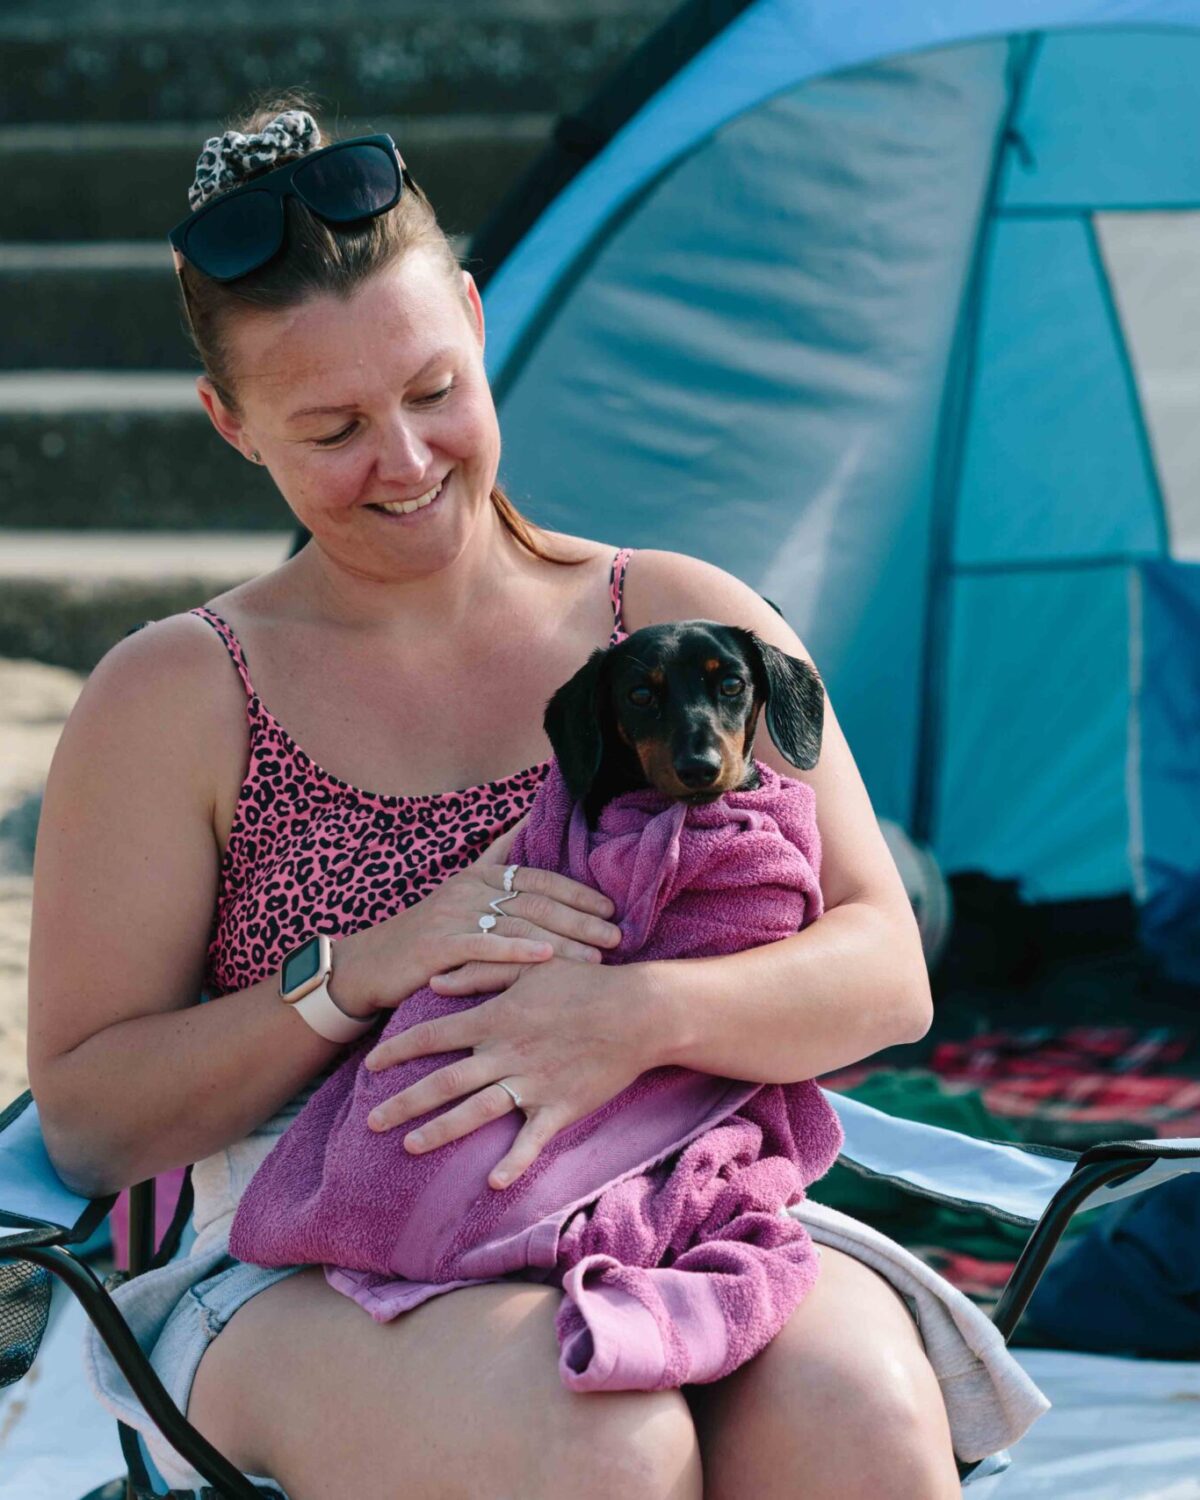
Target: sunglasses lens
236	237
353	183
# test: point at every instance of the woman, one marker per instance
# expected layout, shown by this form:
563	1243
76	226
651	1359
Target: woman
189	842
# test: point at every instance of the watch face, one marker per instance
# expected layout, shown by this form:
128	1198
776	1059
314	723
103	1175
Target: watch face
301	965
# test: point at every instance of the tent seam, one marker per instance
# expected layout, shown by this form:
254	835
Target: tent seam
948	475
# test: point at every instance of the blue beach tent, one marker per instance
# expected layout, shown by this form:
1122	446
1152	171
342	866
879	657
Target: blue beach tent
893	310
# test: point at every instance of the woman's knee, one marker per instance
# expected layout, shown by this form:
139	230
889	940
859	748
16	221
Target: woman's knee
637	1444
843	1401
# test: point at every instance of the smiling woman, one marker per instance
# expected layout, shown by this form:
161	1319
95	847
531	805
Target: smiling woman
191	842
264	410
402	452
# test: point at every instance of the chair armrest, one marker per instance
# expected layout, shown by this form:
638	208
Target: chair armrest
36	1206
1010	1182
1103	1174
1148	1163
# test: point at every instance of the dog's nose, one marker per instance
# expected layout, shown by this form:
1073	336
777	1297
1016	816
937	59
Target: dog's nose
698	771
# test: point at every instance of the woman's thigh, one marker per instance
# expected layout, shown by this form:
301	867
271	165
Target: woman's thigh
842	1403
460	1397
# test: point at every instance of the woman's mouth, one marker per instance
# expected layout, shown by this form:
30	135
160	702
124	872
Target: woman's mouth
398	509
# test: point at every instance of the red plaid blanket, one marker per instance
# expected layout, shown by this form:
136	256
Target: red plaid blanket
1084	1075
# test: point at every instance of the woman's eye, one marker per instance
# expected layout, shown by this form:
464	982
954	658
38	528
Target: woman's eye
732	685
641	697
423	401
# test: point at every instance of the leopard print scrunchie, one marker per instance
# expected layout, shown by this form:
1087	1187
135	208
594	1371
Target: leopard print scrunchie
227	159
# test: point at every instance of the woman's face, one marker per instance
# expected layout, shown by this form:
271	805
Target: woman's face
374	401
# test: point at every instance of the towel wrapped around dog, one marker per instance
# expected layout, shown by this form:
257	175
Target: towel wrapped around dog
659	1214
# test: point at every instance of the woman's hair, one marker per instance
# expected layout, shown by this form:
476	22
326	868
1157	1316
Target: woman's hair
319	258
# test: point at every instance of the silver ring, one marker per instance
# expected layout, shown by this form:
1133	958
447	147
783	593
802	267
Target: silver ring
512	1093
510	874
500	900
486	922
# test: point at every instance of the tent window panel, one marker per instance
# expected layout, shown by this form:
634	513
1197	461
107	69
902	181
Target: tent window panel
1032	782
1107	122
1153	265
1056	462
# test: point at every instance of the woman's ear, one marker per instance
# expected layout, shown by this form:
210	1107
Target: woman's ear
795	700
476	305
228	425
572	725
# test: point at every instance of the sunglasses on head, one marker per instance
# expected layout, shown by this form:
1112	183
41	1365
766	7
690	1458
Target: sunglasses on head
242	229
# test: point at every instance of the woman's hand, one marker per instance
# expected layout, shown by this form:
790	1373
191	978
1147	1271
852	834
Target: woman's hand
550	914
567	1036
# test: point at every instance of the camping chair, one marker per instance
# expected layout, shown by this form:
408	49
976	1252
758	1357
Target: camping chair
40	1220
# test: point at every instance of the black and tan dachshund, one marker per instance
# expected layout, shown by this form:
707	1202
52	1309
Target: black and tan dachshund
675	707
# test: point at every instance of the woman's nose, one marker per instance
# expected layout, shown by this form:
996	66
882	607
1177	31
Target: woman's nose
403	455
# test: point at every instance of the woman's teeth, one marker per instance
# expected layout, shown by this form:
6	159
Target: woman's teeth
406	507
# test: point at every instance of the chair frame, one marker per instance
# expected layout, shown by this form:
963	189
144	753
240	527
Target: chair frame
1111	1170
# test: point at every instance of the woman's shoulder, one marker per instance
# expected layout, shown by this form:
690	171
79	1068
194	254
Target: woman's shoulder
164	659
165	690
661	585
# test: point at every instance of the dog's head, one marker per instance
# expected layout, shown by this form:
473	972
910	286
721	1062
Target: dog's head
676	706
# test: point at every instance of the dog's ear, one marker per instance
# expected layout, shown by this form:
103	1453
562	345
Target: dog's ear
795	700
572	725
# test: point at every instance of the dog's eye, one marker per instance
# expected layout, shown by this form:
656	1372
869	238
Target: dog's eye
732	685
642	697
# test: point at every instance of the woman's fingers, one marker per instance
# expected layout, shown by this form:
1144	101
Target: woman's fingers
485	1104
539	1129
480	1109
560	888
531	914
467	1074
514	926
501	947
476	979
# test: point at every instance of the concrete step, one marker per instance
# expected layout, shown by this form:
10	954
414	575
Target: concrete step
107	306
101	450
129	182
68	597
393	57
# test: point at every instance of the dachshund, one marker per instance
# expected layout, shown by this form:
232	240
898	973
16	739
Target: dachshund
675	707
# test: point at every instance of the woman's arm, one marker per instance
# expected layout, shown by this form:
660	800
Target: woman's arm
131	1075
838	991
845	987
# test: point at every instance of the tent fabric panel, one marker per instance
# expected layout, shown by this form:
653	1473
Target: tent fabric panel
1032	782
1099	125
1153	265
773	45
1166	765
750	369
1056	464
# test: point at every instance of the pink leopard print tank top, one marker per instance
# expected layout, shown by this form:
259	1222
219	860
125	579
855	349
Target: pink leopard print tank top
309	853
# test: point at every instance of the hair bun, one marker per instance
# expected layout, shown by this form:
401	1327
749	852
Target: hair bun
229	159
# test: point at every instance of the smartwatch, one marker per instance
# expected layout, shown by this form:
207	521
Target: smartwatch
304	985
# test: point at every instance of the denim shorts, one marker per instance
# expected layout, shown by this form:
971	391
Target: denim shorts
175	1319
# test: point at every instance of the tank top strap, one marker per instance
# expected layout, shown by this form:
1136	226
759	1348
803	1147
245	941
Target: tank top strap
232	644
616	587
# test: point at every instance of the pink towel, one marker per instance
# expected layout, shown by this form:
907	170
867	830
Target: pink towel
659	1213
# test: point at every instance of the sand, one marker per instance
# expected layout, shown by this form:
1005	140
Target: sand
34	703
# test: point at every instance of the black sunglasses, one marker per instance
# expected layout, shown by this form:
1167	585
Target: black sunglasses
242	229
